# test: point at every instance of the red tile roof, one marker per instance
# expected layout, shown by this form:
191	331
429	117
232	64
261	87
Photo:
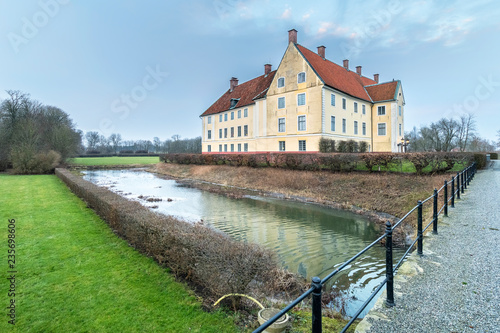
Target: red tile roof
383	91
246	92
337	76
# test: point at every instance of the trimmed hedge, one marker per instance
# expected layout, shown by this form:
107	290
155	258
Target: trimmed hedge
210	261
345	162
494	156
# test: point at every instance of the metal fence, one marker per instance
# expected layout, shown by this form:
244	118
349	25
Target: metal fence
457	185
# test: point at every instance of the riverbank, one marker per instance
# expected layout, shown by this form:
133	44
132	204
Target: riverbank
377	196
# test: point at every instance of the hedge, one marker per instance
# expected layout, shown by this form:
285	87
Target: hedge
212	263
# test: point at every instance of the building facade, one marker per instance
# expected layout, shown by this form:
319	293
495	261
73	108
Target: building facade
305	99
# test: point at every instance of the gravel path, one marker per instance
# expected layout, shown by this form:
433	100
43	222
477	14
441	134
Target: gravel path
455	286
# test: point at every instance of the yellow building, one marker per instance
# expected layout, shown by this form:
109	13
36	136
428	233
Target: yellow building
307	98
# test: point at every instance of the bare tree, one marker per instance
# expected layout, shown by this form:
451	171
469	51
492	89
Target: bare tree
92	138
115	140
157	144
467	127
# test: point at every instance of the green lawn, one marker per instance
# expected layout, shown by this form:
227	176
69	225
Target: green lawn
115	160
75	275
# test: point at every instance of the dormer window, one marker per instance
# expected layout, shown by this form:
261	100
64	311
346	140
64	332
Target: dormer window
234	101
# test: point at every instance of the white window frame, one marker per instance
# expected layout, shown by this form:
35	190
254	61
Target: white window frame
232	115
284	125
355	107
304	144
400	110
225	147
344	125
299	122
220	118
225	133
332	99
400	129
225	116
239	147
332	123
209	148
245	130
363	126
284	102
232	147
281	79
381	110
282	146
239	114
220	133
299	97
209	135
355	127
245	113
220	148
378	129
239	131
232	132
344	104
298	77
363	109
209	121
245	146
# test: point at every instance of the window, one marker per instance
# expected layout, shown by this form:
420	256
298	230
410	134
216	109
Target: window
234	101
239	130
245	147
355	128
225	132
232	132
232	147
225	147
301	125
281	103
245	113
281	82
239	114
355	107
220	118
232	115
239	146
301	99
399	129
220	133
344	102
332	99
281	125
245	130
381	129
209	134
301	77
332	123
381	110
225	117
344	126
209	148
364	128
210	118
399	112
282	145
302	145
220	148
363	108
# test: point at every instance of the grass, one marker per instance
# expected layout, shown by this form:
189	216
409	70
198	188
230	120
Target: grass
75	275
115	160
302	323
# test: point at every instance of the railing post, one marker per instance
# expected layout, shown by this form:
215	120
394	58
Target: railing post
458	185
469	173
466	171
435	213
462	181
452	192
445	197
316	305
388	265
419	229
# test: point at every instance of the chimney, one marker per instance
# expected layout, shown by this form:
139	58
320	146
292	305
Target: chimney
292	36
321	51
346	64
375	77
358	70
267	68
233	83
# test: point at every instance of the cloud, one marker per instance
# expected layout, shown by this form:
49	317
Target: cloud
286	14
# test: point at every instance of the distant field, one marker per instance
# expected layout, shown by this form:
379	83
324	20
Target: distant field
115	160
75	275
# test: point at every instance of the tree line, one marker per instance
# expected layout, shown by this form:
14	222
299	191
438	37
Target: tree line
448	134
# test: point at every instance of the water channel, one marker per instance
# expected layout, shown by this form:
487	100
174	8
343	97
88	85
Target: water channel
308	239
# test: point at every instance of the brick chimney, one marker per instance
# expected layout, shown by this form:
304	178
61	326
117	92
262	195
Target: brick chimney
292	36
233	83
346	63
267	68
375	77
358	70
321	51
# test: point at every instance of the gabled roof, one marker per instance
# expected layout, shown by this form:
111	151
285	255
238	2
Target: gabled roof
383	91
337	76
246	92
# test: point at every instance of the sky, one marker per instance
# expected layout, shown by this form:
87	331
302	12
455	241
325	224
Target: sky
148	69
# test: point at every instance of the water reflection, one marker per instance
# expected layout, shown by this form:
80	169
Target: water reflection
308	239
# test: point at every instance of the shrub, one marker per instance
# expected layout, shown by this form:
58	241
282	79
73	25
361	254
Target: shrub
352	146
324	145
141	152
342	147
363	147
209	260
93	152
480	159
126	151
26	161
419	161
494	156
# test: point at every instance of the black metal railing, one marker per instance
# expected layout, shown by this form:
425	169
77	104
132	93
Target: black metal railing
462	180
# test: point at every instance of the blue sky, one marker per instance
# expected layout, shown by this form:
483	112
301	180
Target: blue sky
150	68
